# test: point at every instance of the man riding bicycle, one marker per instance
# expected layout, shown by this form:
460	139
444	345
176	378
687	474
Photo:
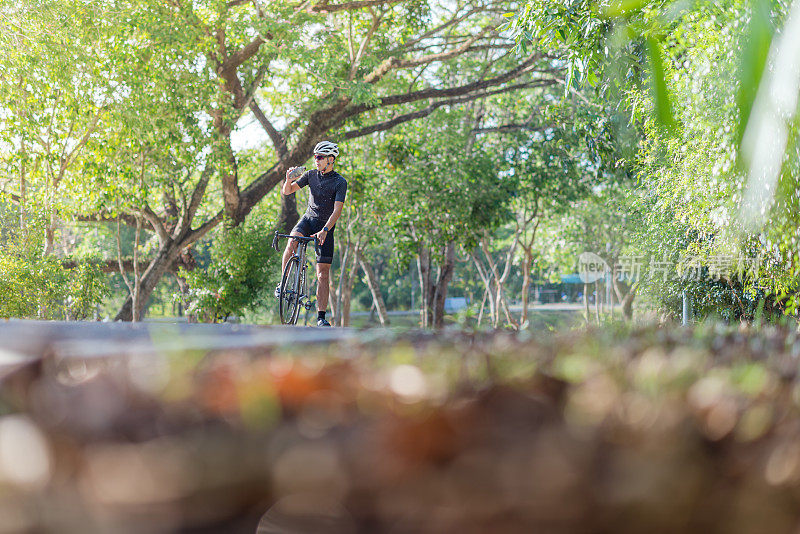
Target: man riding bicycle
325	202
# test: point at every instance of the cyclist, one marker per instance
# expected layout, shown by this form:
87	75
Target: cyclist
325	202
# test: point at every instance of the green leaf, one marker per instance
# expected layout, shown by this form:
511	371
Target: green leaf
622	7
591	77
570	77
753	60
663	105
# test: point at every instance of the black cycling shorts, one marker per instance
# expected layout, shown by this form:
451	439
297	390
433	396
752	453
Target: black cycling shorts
308	226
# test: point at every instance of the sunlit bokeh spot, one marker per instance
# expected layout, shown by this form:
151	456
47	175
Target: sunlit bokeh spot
408	382
25	458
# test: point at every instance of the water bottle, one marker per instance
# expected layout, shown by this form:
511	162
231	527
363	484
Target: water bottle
297	172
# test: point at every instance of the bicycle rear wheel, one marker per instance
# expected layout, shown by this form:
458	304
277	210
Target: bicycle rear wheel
289	301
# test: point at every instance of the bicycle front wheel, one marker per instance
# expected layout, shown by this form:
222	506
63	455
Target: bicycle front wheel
289	299
301	294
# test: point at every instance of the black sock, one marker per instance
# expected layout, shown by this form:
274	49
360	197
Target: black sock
320	315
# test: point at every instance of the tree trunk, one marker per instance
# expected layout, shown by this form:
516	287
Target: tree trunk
289	215
597	301
526	284
483	304
337	289
165	257
347	270
23	151
424	270
375	290
509	317
627	303
487	282
22	185
500	279
183	291
136	295
586	302
610	299
50	234
445	275
527	248
626	299
348	287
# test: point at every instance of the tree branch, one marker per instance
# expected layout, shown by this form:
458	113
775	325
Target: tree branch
440	27
85	139
128	220
376	21
391	123
277	139
251	91
511	127
430	93
16	199
323	7
185	221
259	11
202	230
227	69
493	25
395	62
248	51
156	223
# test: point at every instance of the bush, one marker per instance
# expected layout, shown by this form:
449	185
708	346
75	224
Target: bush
240	275
33	286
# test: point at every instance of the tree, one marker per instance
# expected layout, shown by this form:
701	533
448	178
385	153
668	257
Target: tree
52	105
436	197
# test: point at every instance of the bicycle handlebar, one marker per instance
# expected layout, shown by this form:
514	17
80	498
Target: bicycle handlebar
297	238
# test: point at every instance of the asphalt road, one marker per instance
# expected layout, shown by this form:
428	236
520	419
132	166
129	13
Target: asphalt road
23	341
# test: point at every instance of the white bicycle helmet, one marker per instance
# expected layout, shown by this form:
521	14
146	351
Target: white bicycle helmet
326	148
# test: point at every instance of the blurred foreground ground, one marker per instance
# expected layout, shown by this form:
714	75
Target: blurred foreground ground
225	428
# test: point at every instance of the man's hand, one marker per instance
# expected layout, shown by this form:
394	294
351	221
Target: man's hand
289	172
321	235
287	182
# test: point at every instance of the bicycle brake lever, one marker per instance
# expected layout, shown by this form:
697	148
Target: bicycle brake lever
275	242
317	248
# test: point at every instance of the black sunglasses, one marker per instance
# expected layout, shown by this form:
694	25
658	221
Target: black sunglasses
320	157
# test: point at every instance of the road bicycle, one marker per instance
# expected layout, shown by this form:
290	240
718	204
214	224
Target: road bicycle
294	283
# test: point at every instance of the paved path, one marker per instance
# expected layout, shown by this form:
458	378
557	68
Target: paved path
23	342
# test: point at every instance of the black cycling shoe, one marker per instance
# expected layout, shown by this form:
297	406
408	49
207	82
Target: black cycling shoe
322	322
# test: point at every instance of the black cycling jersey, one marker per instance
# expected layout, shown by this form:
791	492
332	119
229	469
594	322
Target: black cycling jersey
325	190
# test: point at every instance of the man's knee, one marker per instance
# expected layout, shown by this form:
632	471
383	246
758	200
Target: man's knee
291	244
323	272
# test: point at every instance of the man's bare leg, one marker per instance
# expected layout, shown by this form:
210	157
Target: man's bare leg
323	289
291	247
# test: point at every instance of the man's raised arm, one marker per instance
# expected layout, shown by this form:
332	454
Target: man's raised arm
288	186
